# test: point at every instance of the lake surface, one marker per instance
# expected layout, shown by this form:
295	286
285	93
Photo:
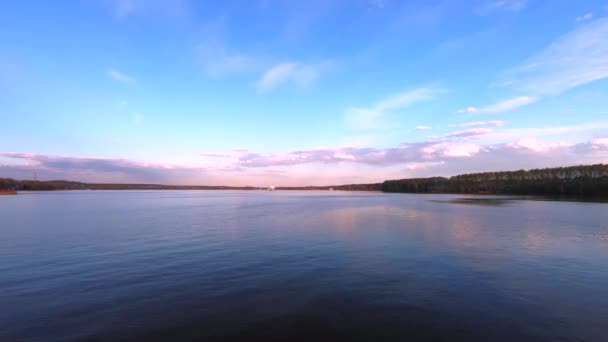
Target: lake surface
318	266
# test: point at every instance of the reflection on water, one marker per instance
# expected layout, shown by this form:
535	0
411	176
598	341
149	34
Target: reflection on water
477	201
229	265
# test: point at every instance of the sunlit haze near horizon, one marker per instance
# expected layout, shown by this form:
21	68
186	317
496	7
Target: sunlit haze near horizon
299	92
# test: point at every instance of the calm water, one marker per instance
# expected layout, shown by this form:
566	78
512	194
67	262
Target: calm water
230	265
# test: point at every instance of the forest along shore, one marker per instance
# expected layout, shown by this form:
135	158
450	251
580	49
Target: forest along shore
582	182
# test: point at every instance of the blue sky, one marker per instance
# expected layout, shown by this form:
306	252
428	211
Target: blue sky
286	92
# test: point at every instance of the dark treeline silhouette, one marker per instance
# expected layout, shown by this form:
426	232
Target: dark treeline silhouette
574	181
585	181
8	183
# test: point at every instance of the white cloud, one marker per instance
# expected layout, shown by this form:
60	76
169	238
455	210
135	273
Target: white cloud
291	72
502	106
535	145
468	110
574	59
495	123
120	76
423	128
586	16
461	150
369	118
423	165
509	104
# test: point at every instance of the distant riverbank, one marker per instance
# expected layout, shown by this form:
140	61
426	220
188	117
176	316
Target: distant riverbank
580	182
7	192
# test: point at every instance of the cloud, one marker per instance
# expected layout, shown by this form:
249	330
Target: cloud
468	133
461	150
600	142
344	156
562	131
490	7
120	76
535	145
97	169
423	128
422	165
368	118
301	167
291	73
216	60
586	16
574	59
509	104
496	123
502	106
468	110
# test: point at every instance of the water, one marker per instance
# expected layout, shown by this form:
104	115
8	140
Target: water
230	265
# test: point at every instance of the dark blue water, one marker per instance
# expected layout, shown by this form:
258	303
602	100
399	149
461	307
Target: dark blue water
229	265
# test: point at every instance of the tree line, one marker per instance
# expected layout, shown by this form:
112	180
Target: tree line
584	181
574	181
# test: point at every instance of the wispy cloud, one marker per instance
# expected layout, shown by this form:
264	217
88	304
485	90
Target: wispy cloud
496	123
468	133
216	60
423	128
586	16
296	73
518	133
120	76
490	7
468	110
576	58
508	105
369	118
501	106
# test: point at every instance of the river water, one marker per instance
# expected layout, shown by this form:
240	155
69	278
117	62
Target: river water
322	266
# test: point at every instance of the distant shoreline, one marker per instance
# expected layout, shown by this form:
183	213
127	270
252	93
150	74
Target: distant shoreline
580	182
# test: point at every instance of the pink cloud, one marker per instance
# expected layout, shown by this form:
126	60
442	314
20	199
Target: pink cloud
535	145
600	142
461	150
468	133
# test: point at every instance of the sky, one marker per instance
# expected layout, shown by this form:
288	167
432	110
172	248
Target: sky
299	92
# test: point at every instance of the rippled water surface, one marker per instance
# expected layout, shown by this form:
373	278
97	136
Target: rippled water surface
322	266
